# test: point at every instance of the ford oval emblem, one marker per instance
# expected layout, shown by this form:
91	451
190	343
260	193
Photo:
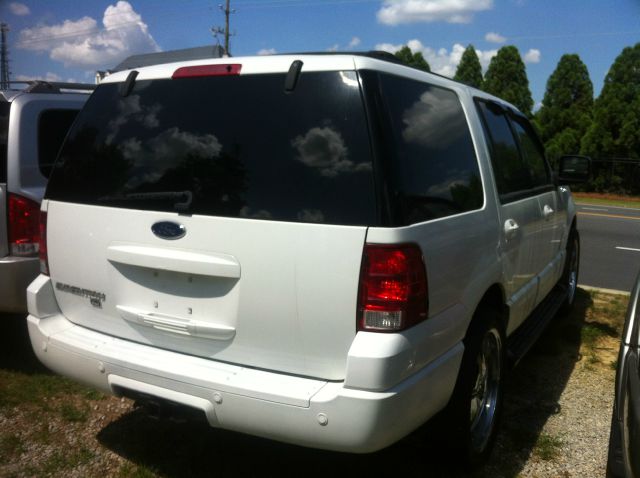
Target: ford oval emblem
168	230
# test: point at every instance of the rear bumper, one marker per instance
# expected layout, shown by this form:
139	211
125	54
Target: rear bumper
303	411
16	273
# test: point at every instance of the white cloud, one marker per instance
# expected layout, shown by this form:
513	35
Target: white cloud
494	37
323	149
163	150
355	41
19	9
311	215
334	47
532	56
48	77
395	12
267	51
421	121
81	43
441	61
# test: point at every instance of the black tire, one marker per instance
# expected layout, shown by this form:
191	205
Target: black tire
476	405
615	460
569	277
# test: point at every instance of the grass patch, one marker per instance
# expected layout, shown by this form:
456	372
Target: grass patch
10	445
129	470
606	200
93	394
71	413
548	447
59	461
591	334
593	359
18	389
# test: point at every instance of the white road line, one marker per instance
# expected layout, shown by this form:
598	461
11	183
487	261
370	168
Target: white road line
593	209
627	249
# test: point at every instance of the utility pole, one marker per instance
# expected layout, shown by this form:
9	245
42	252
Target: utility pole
4	57
219	30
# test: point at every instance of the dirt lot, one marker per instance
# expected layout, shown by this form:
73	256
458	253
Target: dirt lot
556	420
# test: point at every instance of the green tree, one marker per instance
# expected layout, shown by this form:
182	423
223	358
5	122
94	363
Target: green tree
615	131
469	70
507	78
415	60
566	109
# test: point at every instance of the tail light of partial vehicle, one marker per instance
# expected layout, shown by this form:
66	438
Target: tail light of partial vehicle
42	250
393	288
24	226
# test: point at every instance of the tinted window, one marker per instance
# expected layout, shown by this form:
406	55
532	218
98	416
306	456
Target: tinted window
52	128
435	169
4	133
237	146
511	174
532	152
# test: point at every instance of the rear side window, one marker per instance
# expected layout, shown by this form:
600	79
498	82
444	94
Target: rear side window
4	134
435	169
517	158
511	174
53	125
532	152
235	146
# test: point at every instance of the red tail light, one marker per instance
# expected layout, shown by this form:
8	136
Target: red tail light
393	288
44	258
24	226
207	70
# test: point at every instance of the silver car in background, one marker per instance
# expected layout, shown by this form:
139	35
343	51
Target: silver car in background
624	442
33	123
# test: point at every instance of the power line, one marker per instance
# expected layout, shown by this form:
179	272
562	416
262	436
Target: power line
225	31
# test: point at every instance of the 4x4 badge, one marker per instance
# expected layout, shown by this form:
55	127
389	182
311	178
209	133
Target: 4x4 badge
168	230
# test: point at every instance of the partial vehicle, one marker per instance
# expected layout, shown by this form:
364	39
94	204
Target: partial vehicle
322	249
624	441
33	123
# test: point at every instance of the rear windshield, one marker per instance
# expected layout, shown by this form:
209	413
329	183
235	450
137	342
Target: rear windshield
4	133
235	146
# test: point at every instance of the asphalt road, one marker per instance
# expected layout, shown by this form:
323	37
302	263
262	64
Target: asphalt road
610	243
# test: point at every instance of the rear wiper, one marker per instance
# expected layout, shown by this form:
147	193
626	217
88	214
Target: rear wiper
184	205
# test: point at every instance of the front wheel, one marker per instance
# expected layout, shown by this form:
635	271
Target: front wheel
477	401
571	268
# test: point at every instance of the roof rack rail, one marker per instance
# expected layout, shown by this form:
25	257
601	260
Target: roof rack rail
375	54
42	86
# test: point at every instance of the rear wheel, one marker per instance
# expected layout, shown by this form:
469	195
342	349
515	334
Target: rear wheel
476	405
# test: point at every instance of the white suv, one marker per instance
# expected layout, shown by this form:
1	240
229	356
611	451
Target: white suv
326	250
33	123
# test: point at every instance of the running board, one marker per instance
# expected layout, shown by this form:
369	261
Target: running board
519	343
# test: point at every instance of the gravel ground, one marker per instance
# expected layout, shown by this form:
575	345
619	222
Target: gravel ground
555	423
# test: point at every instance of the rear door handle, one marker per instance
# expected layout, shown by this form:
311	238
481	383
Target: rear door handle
511	228
547	211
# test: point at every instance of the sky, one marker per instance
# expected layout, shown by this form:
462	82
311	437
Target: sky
68	40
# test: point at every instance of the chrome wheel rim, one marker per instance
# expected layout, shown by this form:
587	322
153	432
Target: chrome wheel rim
486	390
573	272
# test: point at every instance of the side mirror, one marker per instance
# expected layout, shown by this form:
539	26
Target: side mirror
574	169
